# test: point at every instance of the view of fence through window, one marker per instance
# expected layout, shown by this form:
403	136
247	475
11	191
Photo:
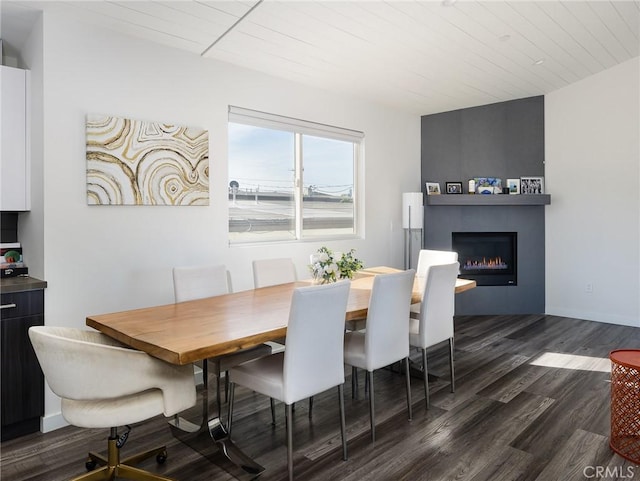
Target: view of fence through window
289	185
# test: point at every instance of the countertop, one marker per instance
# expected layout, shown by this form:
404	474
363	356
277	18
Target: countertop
20	283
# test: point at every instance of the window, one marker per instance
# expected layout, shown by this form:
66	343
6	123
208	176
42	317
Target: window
290	179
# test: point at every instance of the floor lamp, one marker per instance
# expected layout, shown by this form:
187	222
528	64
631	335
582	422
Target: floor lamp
412	219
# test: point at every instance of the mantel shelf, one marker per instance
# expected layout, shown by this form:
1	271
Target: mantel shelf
491	199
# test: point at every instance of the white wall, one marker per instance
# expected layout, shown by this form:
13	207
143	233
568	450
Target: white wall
100	259
31	224
592	171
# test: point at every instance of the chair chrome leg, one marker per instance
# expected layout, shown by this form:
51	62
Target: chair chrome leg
232	390
226	386
290	441
451	365
426	377
372	416
343	428
310	407
354	382
273	411
407	376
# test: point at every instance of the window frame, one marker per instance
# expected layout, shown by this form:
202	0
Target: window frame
299	128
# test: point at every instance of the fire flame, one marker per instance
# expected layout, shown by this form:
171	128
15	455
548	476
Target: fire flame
491	263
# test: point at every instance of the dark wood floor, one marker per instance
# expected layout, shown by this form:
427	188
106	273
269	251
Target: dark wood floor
509	419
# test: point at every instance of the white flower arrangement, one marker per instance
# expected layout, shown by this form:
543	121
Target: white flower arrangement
325	268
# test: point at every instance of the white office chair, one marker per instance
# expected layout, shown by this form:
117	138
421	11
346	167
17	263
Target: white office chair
104	385
386	337
197	282
426	259
312	361
435	320
271	272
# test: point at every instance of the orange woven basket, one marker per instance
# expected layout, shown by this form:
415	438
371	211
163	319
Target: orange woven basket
625	403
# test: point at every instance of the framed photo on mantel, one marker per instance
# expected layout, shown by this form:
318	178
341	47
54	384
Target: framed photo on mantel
433	188
453	187
532	185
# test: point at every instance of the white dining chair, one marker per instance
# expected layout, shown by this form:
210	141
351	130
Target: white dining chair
386	337
271	272
435	319
352	324
312	361
103	384
198	282
313	258
431	257
426	259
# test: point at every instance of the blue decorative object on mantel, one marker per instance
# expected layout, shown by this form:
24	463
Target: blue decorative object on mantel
488	185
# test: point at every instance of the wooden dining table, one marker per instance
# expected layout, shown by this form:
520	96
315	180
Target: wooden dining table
186	332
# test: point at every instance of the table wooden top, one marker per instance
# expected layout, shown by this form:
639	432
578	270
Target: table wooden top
463	285
186	332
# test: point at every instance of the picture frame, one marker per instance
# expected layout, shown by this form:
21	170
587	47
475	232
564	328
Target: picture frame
433	188
145	162
513	186
532	185
488	185
453	187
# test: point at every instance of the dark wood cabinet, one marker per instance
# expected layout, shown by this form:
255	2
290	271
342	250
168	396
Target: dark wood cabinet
22	379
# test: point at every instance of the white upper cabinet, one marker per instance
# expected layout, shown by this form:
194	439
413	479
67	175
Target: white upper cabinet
15	193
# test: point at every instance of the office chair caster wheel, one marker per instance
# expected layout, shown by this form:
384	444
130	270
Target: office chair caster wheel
161	457
90	464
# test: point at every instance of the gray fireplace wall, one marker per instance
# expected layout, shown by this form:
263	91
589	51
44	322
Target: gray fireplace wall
504	140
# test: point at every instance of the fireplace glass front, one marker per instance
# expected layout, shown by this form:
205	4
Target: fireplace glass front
489	258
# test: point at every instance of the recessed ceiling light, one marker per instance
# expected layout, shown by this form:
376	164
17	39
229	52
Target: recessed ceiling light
539	62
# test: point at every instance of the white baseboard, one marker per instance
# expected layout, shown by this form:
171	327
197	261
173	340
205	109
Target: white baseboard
605	317
197	374
51	422
275	347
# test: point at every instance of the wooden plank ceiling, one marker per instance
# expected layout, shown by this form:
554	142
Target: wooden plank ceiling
418	56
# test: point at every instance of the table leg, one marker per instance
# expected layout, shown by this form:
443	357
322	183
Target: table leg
211	428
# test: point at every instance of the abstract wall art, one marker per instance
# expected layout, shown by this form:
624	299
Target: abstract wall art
134	162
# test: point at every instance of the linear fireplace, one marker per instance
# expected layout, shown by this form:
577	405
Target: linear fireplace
490	258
